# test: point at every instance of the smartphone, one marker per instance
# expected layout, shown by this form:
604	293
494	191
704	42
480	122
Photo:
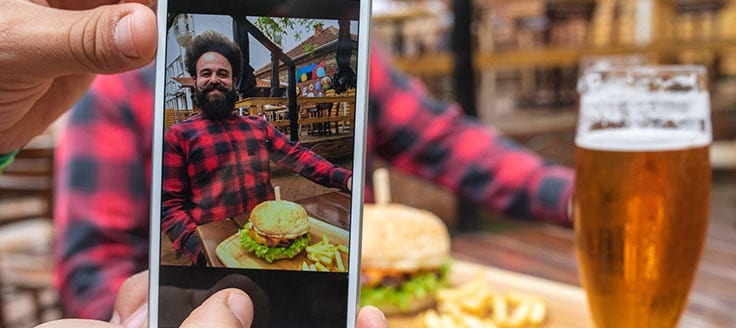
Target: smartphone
258	158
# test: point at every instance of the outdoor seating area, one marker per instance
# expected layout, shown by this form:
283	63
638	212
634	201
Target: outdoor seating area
329	115
318	116
532	173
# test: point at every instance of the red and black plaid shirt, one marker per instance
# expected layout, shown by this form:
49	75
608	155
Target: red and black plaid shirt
219	169
102	196
104	160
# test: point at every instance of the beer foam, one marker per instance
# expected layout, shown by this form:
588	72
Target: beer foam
633	139
641	108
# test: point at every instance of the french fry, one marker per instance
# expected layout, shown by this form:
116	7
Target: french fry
516	298
326	260
431	319
500	311
475	305
519	316
447	322
338	261
538	312
489	324
321	267
327	255
471	321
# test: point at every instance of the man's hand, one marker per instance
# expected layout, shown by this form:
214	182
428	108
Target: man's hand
51	50
228	308
371	317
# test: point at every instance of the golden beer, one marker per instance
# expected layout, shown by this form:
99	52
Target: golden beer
641	212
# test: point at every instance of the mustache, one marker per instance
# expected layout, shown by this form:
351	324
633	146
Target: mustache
218	87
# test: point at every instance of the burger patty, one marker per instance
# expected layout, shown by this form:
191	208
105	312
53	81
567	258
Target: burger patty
270	241
388	278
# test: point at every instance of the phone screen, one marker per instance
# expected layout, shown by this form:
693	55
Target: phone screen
258	158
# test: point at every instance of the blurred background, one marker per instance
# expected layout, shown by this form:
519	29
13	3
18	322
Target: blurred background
518	61
526	55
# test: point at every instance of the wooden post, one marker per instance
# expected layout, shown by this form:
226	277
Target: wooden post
464	75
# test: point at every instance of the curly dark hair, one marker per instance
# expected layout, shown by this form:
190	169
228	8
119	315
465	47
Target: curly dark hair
212	41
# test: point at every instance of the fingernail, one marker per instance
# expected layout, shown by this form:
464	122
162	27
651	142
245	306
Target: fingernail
123	35
138	318
384	321
115	318
240	306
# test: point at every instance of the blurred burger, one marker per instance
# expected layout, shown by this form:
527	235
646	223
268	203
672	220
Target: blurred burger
277	229
404	258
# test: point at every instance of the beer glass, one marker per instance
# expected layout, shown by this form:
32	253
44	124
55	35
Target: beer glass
642	190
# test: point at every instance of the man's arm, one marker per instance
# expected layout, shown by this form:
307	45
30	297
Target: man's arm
435	141
176	221
306	162
102	194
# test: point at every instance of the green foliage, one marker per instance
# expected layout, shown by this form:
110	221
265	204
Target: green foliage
276	28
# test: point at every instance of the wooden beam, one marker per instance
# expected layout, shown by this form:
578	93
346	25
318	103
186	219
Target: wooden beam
442	64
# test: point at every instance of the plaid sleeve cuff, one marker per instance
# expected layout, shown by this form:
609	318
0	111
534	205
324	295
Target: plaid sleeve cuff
341	177
6	159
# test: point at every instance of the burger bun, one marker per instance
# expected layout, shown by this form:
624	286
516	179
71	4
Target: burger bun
280	219
402	238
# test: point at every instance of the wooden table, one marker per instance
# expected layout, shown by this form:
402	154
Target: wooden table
333	208
547	252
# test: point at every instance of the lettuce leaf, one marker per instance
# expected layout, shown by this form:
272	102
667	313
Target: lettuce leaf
417	287
271	254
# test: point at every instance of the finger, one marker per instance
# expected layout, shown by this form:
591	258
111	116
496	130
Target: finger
77	323
88	4
17	126
371	317
228	308
106	39
132	296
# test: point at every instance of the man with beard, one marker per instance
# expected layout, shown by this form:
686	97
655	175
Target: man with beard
216	164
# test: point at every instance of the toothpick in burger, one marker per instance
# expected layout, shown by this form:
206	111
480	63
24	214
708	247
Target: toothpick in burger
276	229
404	258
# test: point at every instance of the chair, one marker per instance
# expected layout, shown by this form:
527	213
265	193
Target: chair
323	111
26	237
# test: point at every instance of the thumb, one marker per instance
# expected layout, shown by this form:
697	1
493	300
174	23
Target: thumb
106	39
228	308
371	317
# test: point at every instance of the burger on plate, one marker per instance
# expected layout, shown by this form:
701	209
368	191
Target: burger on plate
276	229
404	258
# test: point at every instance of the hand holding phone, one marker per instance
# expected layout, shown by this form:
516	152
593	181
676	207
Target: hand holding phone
229	127
227	308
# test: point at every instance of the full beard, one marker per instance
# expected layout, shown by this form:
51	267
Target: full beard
216	107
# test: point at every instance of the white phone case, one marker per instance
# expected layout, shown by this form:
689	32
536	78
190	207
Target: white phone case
314	86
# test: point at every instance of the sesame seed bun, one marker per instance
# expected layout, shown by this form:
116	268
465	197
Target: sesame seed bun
280	219
402	238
